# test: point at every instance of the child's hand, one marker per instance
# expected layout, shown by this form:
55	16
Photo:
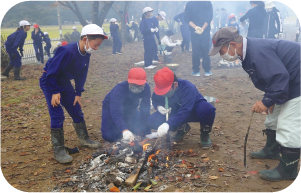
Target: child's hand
77	100
56	98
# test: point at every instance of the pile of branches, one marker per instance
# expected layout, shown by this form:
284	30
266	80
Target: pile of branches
4	58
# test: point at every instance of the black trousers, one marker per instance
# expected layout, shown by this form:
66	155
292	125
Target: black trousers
168	49
200	49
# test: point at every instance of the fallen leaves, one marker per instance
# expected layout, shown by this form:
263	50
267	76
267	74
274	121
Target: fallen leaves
221	169
206	159
213	177
24	153
252	172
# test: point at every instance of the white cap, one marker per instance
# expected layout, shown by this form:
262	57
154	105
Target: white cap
113	20
74	27
147	9
162	14
23	23
59	44
269	5
45	33
92	29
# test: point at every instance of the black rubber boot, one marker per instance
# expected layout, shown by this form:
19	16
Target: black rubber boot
17	74
182	130
7	70
58	144
271	148
83	136
287	168
205	137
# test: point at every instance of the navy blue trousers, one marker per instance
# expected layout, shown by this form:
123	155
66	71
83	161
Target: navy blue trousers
155	47
47	49
149	51
117	44
109	130
203	112
39	52
67	99
186	38
200	49
16	61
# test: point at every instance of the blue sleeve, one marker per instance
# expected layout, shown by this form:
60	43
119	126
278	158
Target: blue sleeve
116	107
144	28
157	100
156	24
34	36
62	59
177	18
209	15
145	105
19	42
80	81
43	36
188	95
272	72
246	16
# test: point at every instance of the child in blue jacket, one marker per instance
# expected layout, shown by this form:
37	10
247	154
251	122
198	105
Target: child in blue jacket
48	44
117	44
69	62
38	37
14	41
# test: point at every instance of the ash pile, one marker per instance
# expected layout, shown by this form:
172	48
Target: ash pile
137	167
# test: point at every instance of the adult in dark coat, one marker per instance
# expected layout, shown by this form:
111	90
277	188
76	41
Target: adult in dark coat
274	68
256	17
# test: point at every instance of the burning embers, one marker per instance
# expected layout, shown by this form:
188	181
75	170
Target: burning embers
152	160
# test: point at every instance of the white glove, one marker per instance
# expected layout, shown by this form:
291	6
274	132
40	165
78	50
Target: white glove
164	111
128	136
163	129
153	29
280	35
156	29
198	30
153	135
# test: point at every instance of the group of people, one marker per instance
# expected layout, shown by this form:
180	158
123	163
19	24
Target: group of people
272	64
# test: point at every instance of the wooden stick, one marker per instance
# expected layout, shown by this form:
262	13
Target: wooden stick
245	144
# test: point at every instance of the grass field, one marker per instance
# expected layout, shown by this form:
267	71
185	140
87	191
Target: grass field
53	31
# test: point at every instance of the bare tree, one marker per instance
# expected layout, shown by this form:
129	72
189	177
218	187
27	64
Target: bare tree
122	15
74	8
99	18
176	7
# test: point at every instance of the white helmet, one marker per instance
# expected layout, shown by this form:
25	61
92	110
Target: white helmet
74	27
269	5
162	14
92	29
147	9
23	23
45	33
113	20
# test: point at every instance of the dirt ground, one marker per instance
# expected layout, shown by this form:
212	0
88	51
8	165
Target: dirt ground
27	159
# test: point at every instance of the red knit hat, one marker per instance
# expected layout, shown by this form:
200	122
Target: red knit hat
35	26
137	76
163	80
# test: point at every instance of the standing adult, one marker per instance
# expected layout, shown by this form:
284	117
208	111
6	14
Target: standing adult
117	44
147	30
184	27
274	68
38	37
14	41
75	36
256	17
198	14
216	20
155	20
69	62
272	27
224	17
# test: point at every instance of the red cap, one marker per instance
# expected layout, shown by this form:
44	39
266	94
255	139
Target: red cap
64	43
35	26
137	76
231	16
163	80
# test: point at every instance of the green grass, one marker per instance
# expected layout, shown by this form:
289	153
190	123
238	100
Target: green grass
53	31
